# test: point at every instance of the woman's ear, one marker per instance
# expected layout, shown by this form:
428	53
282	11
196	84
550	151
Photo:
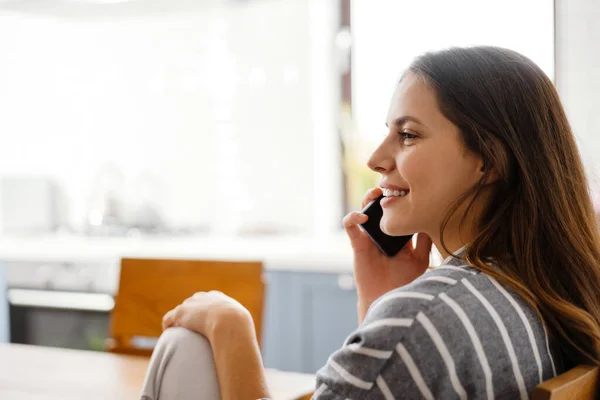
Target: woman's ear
490	174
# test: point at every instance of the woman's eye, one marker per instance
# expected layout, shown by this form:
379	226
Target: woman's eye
404	135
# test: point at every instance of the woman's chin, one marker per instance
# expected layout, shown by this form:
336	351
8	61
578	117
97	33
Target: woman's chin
392	229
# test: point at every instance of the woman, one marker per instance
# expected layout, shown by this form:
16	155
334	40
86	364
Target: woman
479	159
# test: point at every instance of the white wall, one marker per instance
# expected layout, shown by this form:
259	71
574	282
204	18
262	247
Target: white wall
578	78
215	106
4	317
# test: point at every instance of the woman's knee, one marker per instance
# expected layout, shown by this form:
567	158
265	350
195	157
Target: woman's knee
182	366
181	343
182	338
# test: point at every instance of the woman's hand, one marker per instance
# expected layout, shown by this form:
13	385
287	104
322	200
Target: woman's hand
374	272
208	312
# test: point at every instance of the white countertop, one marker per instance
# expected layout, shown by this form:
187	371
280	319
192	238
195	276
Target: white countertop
327	254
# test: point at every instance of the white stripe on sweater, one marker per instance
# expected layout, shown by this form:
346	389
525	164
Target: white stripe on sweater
485	365
385	390
443	279
406	322
532	341
505	337
397	295
452	267
414	372
443	350
348	377
319	391
381	354
548	348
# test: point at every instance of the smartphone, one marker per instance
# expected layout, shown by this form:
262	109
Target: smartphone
389	245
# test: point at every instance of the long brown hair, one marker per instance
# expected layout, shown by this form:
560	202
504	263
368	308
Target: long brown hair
539	225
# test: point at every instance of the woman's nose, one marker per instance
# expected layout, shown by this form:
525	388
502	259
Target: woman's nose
381	161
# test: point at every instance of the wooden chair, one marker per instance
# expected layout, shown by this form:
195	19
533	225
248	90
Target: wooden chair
577	383
148	288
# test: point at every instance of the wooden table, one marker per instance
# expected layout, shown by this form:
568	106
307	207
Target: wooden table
36	373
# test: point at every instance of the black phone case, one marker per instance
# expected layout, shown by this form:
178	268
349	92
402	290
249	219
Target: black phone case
389	245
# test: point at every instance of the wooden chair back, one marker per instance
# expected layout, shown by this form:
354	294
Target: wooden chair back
577	383
148	288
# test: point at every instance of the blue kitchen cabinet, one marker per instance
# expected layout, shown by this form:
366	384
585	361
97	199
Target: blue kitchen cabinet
307	317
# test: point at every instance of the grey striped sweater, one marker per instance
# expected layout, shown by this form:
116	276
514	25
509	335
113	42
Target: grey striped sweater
454	333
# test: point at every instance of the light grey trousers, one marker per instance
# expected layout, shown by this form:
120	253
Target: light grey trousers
182	367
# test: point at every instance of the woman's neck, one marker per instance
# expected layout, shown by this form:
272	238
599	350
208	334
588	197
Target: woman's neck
456	236
453	249
453	243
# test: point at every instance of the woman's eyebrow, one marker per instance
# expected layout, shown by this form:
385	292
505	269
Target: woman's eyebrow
404	119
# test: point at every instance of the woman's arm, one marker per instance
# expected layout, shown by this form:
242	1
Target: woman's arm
238	360
362	308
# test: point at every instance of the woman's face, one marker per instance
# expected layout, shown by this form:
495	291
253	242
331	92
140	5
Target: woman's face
423	156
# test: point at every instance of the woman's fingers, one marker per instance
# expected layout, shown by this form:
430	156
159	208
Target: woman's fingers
175	316
351	222
371	195
168	320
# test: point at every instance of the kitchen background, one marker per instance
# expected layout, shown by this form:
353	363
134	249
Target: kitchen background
224	129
